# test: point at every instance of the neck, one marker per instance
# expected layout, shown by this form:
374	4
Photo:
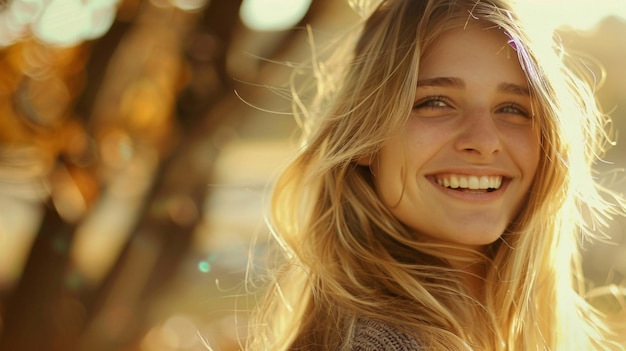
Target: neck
472	275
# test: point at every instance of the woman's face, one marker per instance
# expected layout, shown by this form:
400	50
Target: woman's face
462	168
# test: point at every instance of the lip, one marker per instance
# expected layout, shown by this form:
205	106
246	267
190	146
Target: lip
473	172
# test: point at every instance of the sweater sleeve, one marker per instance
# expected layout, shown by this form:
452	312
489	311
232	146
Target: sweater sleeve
376	336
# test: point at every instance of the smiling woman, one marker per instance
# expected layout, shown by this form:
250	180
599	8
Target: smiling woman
442	181
467	125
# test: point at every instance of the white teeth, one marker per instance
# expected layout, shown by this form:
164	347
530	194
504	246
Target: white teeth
484	183
469	182
463	182
454	182
473	182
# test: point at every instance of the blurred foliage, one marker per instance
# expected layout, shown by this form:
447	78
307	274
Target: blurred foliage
108	141
93	123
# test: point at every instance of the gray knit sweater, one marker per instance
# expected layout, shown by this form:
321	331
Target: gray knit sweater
376	336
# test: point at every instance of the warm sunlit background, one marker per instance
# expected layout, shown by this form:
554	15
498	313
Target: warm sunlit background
137	141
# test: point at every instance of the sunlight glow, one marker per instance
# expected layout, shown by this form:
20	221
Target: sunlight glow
68	22
272	15
190	5
56	22
577	14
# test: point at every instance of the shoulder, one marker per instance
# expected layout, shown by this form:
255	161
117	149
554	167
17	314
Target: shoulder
372	335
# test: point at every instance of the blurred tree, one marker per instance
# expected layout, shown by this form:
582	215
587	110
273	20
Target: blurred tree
135	73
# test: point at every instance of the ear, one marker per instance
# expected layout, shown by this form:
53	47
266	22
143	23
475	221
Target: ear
365	160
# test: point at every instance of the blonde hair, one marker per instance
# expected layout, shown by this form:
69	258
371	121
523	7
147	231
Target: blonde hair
347	257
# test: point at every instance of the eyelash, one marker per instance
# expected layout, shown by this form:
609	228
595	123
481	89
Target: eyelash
429	100
517	110
426	103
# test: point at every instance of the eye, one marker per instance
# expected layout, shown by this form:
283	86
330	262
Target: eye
513	109
432	102
514	113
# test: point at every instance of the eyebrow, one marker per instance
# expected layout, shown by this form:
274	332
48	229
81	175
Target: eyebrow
458	83
513	89
441	82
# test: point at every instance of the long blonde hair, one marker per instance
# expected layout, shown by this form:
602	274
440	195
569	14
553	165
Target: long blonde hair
347	257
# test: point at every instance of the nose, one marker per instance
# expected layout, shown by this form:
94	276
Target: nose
479	135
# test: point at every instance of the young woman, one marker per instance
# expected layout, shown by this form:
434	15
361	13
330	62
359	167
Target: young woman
439	196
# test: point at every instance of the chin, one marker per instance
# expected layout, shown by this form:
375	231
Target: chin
470	240
481	240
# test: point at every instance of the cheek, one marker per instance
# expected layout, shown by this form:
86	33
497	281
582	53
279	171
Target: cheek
527	151
535	151
389	175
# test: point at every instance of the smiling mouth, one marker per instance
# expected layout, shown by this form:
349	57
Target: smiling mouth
465	183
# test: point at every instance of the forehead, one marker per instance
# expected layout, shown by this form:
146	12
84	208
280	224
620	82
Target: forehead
473	51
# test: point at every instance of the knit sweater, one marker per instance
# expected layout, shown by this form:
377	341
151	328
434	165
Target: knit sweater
376	336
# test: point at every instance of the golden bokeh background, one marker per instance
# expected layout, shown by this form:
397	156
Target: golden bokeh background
138	139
